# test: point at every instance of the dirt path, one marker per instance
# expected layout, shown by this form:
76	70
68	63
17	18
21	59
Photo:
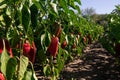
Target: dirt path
96	64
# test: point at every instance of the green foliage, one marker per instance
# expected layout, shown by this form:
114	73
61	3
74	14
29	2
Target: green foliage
38	20
112	31
114	24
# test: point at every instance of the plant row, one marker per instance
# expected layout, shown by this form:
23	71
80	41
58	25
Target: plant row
49	32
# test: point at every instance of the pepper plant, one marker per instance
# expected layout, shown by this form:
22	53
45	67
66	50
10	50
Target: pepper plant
111	38
36	30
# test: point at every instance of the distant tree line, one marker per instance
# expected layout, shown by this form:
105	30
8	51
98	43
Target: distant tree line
91	15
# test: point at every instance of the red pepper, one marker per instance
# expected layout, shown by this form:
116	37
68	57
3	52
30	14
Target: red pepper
64	44
32	52
7	46
2	76
29	51
26	48
53	47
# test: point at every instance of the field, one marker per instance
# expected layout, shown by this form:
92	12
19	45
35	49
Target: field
53	39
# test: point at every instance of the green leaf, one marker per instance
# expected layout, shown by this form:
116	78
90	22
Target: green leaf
62	37
34	15
7	20
41	55
78	1
47	38
54	7
11	68
52	11
71	3
79	51
23	66
78	9
55	72
40	6
25	17
29	75
66	54
18	18
42	40
72	16
63	4
30	35
15	38
47	70
60	65
4	61
2	4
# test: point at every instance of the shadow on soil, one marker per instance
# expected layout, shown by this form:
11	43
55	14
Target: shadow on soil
95	64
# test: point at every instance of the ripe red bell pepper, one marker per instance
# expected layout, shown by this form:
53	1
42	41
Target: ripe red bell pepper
29	51
32	52
53	47
2	76
26	48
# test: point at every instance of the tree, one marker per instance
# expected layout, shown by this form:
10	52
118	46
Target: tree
88	12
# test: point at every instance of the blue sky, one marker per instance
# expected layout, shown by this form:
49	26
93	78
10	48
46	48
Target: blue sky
100	6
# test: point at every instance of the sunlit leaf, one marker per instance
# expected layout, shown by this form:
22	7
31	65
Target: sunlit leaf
54	7
23	66
42	39
29	75
2	4
78	9
4	61
47	70
55	72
